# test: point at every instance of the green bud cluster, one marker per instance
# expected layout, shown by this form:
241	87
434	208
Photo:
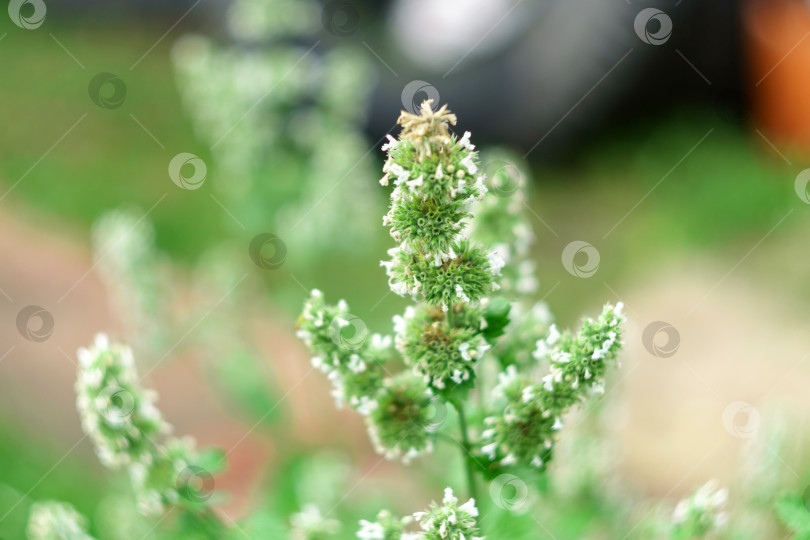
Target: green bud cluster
400	425
444	354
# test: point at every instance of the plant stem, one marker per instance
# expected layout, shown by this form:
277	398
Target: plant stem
466	451
451	317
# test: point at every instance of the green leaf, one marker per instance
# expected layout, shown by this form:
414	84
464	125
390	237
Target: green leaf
497	316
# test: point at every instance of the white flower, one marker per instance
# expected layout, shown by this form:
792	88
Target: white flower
460	294
370	531
468	164
465	141
553	335
391	144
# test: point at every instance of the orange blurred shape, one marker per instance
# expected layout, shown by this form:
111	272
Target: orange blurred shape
777	34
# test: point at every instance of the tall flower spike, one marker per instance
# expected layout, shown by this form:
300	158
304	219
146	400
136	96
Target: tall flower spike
351	359
501	221
525	430
128	430
118	415
436	181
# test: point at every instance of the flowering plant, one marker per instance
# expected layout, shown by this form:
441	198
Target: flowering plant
470	343
450	261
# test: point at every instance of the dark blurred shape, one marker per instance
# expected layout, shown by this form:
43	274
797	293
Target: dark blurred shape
544	75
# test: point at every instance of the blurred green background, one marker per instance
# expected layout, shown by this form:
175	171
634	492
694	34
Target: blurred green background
728	207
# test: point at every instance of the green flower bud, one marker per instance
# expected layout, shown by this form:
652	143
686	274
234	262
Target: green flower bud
444	355
400	424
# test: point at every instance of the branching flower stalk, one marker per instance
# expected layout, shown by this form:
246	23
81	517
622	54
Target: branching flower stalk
467	342
129	432
460	321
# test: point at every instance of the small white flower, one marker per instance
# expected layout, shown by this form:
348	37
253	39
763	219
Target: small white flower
465	141
468	164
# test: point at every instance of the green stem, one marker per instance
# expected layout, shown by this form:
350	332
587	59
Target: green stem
451	317
467	451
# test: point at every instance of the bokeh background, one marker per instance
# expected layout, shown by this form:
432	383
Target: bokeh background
671	137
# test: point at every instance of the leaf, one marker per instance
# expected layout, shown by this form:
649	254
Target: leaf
497	316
